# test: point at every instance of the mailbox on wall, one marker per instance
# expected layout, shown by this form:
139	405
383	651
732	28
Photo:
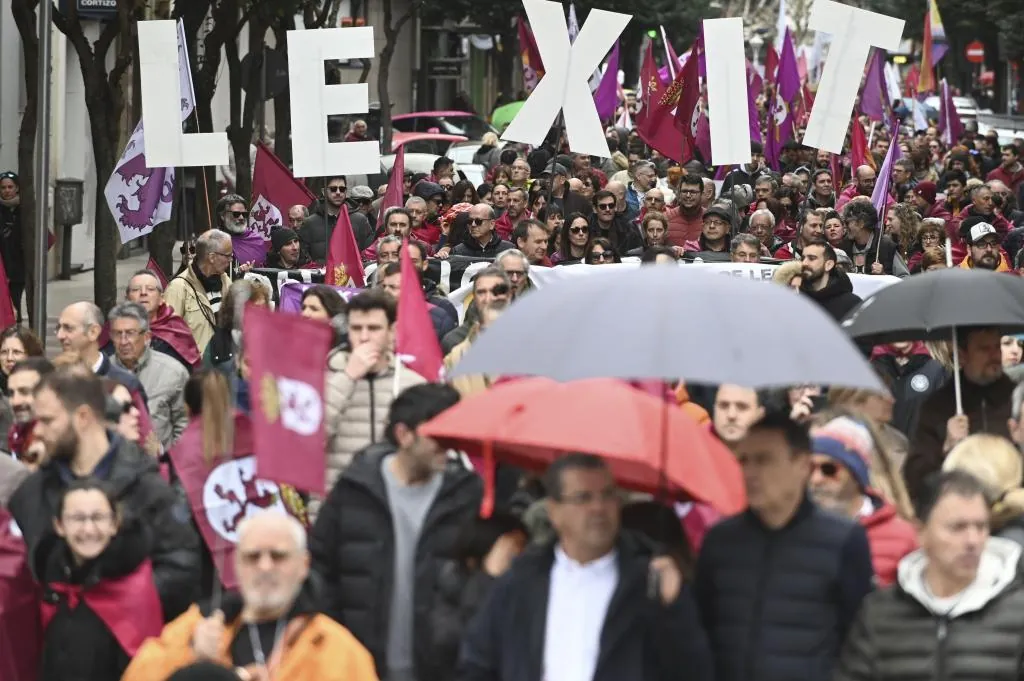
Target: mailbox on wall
68	197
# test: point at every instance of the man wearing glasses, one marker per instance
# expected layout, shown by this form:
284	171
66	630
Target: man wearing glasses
686	220
482	241
315	232
195	294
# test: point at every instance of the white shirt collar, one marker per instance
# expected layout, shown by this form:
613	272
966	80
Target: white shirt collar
602	564
99	363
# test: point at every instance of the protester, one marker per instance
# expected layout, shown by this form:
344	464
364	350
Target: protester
21	386
841	481
823	283
489	284
16	344
596	604
390	280
482	241
995	462
98	601
812	228
78	330
271	629
322	302
986	394
221	352
170	334
195	294
396	508
471	385
789	574
286	250
736	410
957	611
516	267
315	233
360	384
70	409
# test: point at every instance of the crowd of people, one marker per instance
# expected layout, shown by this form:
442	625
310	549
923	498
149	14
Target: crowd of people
883	532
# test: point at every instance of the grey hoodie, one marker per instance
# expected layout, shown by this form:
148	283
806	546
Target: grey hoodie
996	571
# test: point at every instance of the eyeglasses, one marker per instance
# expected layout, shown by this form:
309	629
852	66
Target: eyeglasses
254	557
335	189
81	519
688	192
238	214
497	290
602	255
13	352
828	469
125	407
605	206
515	274
988	245
143	289
579	230
476	222
930	237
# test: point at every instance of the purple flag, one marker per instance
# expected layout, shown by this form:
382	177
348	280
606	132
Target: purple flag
607	96
754	83
780	113
874	98
250	247
880	195
290	295
950	124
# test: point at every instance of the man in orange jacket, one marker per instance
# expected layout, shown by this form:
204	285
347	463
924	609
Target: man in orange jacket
271	630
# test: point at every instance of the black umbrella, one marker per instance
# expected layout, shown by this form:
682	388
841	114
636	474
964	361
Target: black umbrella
931	306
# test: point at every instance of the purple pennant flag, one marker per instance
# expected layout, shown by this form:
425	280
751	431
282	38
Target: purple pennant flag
250	247
753	89
880	195
950	124
874	98
606	98
780	113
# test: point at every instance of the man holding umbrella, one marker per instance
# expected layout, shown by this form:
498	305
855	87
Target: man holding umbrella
986	394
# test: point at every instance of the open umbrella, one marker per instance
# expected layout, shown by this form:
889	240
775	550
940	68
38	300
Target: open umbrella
531	422
929	306
503	115
670	323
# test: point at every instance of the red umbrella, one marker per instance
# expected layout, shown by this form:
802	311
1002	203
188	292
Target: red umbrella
532	421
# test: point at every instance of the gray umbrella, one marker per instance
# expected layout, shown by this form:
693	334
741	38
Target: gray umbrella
669	323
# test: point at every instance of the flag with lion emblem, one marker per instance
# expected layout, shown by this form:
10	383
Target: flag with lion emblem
344	266
287	388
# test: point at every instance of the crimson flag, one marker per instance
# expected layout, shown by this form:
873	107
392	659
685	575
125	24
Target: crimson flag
274	191
8	315
415	340
688	110
225	491
394	195
153	267
860	153
654	117
771	63
344	266
20	633
287	389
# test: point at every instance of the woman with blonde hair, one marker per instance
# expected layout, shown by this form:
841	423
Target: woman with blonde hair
997	463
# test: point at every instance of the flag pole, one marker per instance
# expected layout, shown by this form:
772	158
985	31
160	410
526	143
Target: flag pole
41	170
871	136
955	353
202	172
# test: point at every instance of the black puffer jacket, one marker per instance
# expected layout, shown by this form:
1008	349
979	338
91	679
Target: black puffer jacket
353	550
777	603
78	645
898	636
315	232
138	487
911	383
460	593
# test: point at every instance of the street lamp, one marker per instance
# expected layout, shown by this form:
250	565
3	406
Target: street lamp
756	42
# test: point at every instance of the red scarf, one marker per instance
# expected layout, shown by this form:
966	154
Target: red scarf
173	330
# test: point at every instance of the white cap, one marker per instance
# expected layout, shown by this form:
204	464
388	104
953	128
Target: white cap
981	230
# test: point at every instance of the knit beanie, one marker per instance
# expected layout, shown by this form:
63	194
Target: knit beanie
926	190
849	443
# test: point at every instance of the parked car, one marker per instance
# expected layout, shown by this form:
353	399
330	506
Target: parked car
424	142
463	152
469	125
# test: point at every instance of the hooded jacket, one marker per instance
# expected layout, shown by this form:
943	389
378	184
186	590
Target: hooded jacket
903	634
910	382
987	408
837	298
890	538
315	232
135	481
312	646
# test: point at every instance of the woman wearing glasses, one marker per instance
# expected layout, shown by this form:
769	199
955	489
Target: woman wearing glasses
573	242
600	252
10	237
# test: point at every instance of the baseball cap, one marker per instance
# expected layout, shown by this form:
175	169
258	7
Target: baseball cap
720	209
978	231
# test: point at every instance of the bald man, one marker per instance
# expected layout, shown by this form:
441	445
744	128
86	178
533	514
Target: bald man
78	330
863	185
275	604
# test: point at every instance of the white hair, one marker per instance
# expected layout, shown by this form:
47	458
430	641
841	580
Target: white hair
763	213
296	529
512	252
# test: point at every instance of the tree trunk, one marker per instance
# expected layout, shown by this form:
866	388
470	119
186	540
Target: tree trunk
24	12
282	103
391	35
240	128
505	61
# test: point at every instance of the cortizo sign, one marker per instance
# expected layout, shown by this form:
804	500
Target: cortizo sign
568	67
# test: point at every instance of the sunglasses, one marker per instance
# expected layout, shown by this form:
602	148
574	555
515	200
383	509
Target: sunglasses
603	255
337	190
605	206
476	222
828	469
238	214
497	290
579	230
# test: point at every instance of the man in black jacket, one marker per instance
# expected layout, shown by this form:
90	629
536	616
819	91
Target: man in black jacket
595	605
779	584
823	283
315	233
69	410
481	239
378	541
957	609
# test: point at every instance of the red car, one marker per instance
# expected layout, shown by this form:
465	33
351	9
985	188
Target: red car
469	125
